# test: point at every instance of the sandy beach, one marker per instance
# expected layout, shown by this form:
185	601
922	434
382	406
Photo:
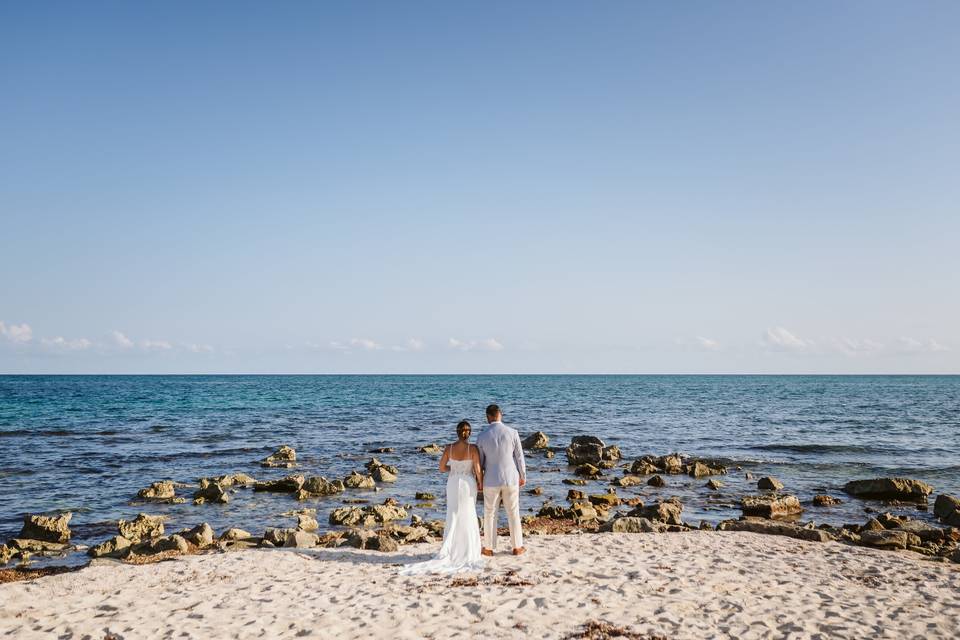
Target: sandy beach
694	585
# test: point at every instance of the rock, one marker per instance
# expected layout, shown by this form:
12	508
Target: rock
626	481
667	512
656	481
141	527
377	541
536	440
583	512
713	484
410	535
115	547
200	535
432	448
610	499
926	532
376	464
285	457
770	506
383	474
289	484
424	496
162	490
872	525
370	516
277	536
889	489
6	554
359	481
588	470
699	469
769	483
575	481
672	464
748	476
770	527
159	545
955	556
945	506
48	528
643	468
953	520
301	539
548	453
307	523
631	524
228	480
590	450
235	534
576	494
213	493
316	486
554	511
383	450
889	539
822	500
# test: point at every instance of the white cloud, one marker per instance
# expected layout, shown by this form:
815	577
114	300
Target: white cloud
121	340
412	344
198	348
853	347
906	344
708	343
364	343
60	342
16	332
156	345
779	339
488	344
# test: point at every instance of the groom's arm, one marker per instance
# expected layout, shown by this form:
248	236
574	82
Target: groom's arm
518	458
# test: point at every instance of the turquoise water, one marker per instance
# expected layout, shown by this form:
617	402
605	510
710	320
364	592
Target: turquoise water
88	443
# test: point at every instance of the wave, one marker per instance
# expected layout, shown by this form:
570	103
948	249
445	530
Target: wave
822	448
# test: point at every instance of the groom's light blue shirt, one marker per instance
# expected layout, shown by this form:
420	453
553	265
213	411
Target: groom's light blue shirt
501	456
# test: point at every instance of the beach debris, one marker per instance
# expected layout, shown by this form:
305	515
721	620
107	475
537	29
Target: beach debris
285	457
822	500
601	630
889	489
770	527
211	493
770	506
657	481
382	472
713	485
317	486
49	528
142	527
591	450
947	508
769	483
432	448
536	440
289	484
161	490
359	481
667	511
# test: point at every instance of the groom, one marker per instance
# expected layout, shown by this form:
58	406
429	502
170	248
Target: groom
504	472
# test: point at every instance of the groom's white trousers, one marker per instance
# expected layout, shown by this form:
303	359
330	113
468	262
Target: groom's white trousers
510	495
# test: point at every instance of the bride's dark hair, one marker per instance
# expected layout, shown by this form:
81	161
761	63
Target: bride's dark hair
463	424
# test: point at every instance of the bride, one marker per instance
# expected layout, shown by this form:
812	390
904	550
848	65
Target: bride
461	536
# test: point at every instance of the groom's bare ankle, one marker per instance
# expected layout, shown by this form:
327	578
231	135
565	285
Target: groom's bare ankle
485	551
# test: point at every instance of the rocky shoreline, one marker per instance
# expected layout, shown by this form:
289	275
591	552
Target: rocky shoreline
771	509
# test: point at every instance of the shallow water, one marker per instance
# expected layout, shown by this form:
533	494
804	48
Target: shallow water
88	443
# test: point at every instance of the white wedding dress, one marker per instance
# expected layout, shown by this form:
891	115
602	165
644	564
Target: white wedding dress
461	536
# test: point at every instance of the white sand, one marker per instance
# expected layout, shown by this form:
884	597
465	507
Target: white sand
691	585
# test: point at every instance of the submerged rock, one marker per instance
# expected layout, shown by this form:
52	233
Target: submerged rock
211	493
700	469
770	527
770	506
317	486
140	528
384	474
48	528
769	483
591	450
643	467
657	481
536	491
162	490
228	480
822	500
575	481
383	450
576	494
889	489
588	470
536	440
359	481
713	485
432	448
289	484
424	496
610	499
285	457
627	481
671	463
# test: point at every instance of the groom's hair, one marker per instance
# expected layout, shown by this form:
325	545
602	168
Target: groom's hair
493	411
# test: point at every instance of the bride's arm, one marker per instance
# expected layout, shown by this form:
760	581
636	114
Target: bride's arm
477	471
444	459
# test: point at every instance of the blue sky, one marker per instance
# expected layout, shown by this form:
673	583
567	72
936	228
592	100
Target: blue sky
505	187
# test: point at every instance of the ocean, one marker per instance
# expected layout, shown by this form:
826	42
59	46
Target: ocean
87	444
